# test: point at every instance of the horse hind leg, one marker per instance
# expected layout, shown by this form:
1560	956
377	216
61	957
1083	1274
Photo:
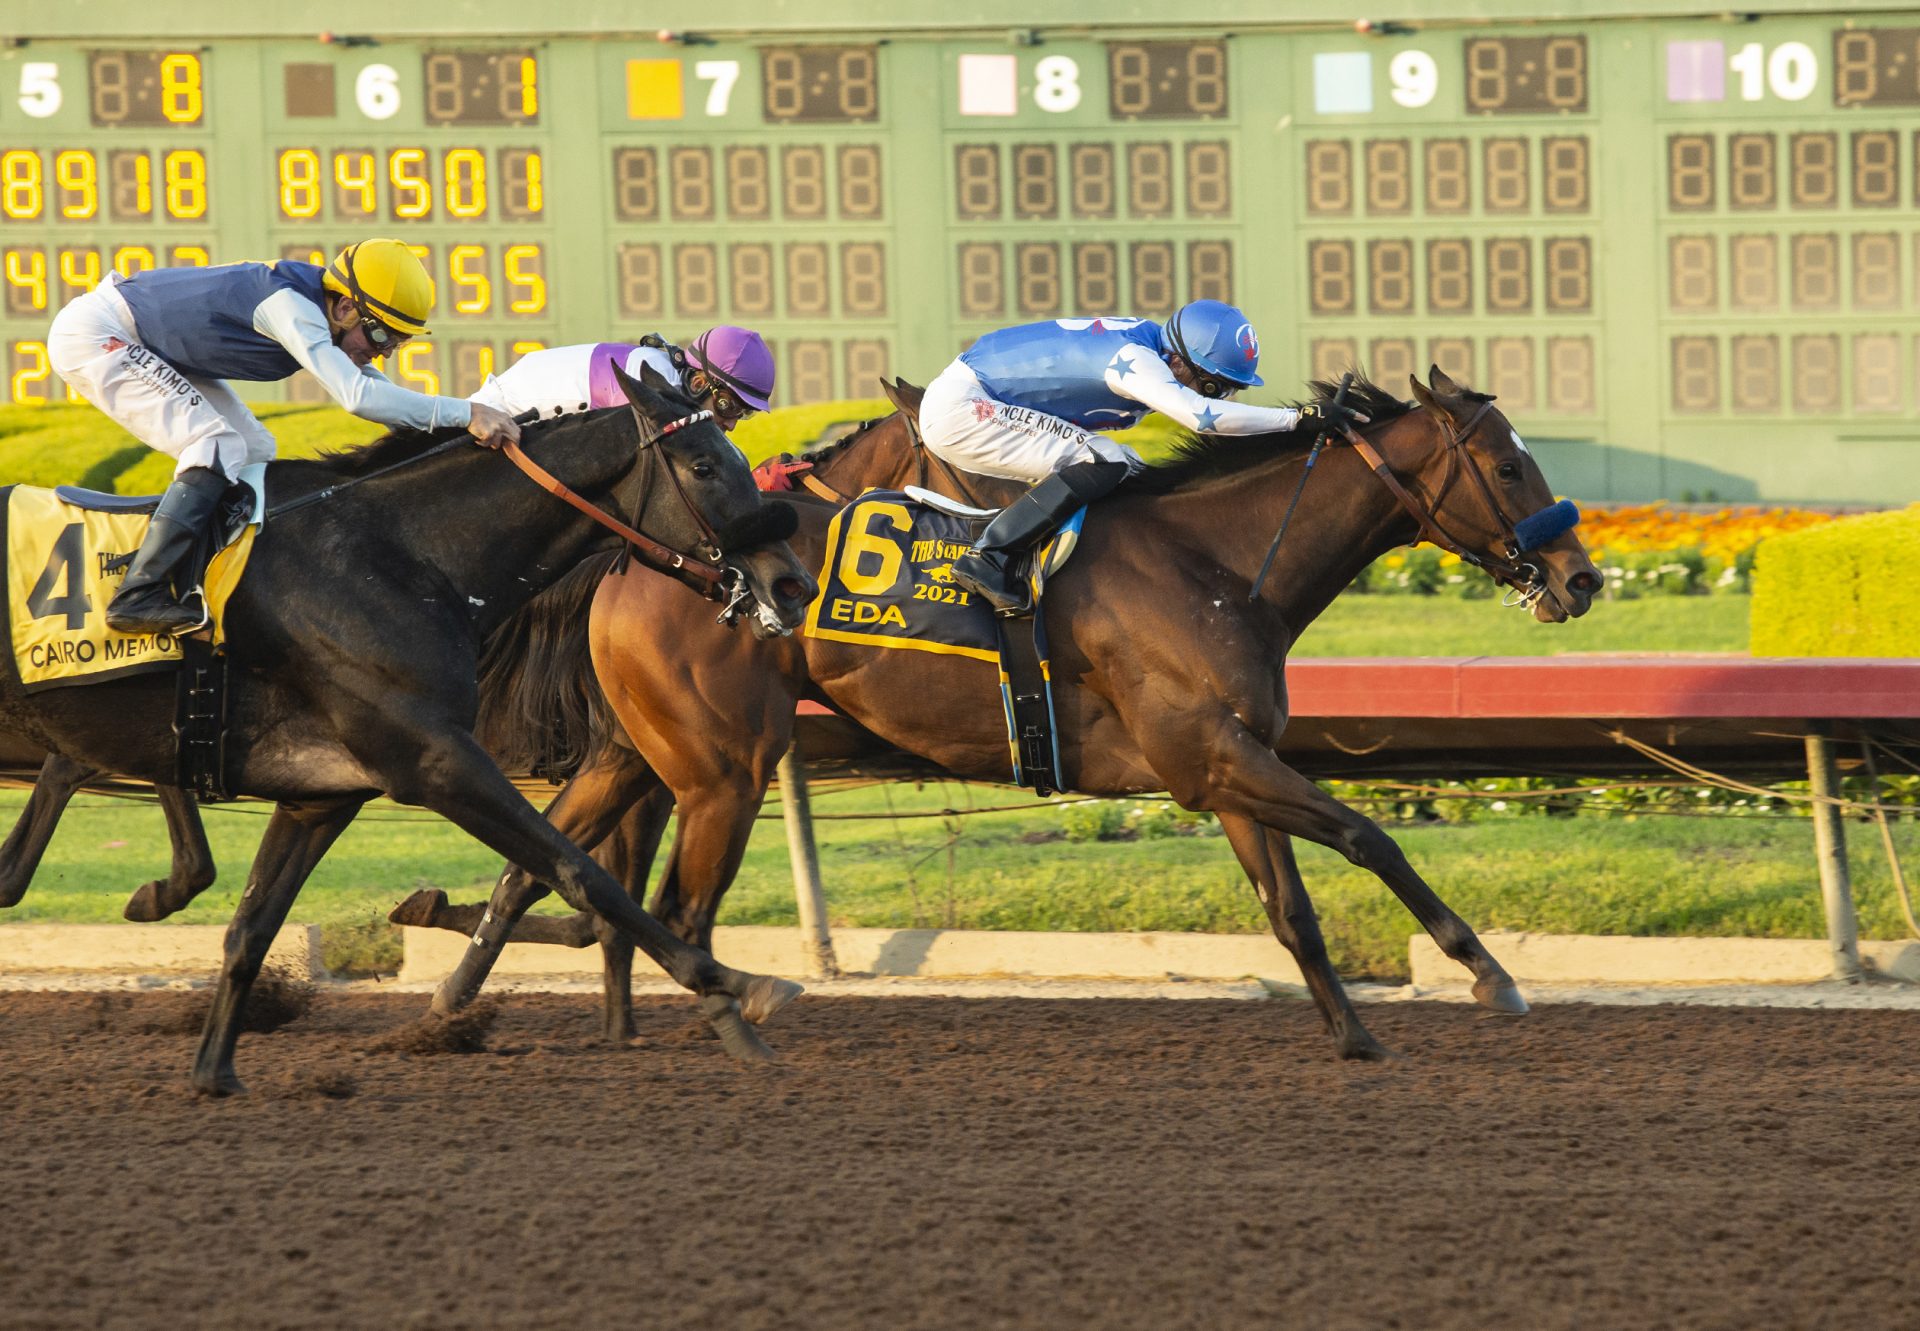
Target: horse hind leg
429	909
296	838
193	868
628	854
20	856
1267	856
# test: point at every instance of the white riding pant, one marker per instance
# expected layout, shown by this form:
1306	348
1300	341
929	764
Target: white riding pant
976	432
197	421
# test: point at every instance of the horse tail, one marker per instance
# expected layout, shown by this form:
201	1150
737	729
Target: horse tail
541	709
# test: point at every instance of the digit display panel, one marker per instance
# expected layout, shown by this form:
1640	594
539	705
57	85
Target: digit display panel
1675	234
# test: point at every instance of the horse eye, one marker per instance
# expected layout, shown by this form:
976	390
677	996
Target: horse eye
1508	471
703	470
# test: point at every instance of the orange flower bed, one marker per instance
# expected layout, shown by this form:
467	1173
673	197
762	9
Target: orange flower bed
1724	534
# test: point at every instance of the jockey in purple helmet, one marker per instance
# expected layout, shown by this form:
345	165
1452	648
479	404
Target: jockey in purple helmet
727	370
1027	403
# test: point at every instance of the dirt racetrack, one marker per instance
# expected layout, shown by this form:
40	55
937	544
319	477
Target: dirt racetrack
958	1163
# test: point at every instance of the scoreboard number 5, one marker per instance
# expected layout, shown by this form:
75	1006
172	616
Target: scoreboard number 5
40	88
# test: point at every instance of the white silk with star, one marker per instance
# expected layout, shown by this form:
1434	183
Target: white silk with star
1136	373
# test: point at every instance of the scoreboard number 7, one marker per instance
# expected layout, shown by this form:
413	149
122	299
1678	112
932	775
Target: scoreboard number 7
724	73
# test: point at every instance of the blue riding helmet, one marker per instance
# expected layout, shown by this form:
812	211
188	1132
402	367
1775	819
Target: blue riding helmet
1216	338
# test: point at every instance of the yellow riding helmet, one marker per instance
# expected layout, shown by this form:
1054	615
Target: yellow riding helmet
388	280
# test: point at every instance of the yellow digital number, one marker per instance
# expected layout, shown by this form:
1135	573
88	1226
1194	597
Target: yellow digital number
80	268
412	190
467	265
862	541
536	184
36	372
524	277
185	171
22	190
466	182
529	87
354	174
131	259
132	174
27	270
79	177
180	98
416	367
519	349
299	184
483	360
189	256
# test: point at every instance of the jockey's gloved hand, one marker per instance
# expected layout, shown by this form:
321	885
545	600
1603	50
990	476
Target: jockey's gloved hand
1318	418
492	427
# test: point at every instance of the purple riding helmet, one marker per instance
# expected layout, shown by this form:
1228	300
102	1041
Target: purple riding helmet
739	359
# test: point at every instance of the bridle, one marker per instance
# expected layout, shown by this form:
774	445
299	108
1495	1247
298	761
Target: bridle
1525	579
705	566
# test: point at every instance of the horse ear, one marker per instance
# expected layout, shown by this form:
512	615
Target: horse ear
1441	383
1425	397
643	394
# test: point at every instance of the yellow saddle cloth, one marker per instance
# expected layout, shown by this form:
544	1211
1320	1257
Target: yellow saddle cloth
64	563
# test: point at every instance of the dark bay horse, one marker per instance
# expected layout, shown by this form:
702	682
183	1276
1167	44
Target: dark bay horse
354	640
1168	676
890	455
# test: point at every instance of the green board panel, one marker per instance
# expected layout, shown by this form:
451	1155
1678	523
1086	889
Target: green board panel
1682	251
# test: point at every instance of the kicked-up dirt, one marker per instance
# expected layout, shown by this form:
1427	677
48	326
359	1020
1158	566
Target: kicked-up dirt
962	1163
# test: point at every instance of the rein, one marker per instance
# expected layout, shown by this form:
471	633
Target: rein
1524	579
652	550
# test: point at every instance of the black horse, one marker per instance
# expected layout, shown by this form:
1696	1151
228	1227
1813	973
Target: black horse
354	639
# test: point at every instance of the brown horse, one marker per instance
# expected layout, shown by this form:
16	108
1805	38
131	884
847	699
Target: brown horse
1168	676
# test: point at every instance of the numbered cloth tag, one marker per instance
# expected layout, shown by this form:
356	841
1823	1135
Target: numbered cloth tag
63	566
888	581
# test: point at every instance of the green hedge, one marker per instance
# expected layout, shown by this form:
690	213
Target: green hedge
1844	589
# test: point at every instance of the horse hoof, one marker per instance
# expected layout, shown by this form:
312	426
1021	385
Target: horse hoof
143	907
419	909
742	1043
766	995
1500	994
1367	1050
219	1086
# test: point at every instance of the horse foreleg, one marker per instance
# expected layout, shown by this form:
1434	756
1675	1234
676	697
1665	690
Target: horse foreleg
20	856
583	812
1243	776
1268	859
429	909
297	836
448	772
193	868
628	855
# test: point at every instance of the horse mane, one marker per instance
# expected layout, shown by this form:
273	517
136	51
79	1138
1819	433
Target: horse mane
1200	458
825	451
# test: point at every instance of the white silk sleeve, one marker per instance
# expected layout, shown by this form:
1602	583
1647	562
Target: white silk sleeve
1139	374
297	324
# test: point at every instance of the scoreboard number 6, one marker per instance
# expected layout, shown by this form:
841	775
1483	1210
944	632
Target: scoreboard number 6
377	91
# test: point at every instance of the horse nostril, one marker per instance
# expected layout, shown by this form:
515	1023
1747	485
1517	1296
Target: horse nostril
1584	584
790	589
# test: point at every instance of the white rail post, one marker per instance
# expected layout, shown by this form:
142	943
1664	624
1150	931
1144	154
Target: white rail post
1830	848
815	939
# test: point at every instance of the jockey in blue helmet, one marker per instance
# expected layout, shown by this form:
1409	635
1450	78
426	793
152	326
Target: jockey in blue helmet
1028	402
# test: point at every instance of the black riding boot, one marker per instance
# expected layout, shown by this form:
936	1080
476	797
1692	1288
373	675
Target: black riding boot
991	568
144	603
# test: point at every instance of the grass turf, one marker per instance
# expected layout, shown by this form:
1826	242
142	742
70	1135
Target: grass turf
1592	874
